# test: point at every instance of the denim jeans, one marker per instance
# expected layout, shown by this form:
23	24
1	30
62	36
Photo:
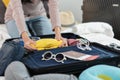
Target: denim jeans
17	71
10	51
39	25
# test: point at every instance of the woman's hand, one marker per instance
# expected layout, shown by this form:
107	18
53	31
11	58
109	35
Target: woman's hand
64	40
28	42
59	37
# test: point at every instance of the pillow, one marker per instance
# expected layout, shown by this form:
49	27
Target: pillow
101	72
2	12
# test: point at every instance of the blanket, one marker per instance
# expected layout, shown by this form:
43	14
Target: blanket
94	27
3	34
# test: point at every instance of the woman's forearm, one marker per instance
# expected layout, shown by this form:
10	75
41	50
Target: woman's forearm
18	14
25	36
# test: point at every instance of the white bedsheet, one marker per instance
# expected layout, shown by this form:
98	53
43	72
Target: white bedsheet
94	27
3	34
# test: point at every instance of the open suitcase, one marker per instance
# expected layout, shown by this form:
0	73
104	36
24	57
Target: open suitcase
36	65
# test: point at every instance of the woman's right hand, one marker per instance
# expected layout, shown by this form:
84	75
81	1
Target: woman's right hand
28	42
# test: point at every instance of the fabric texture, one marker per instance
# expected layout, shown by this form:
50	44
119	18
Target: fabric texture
94	27
67	18
9	52
2	12
6	2
39	25
12	51
31	10
36	65
99	32
3	34
13	30
47	43
72	42
17	71
100	72
101	38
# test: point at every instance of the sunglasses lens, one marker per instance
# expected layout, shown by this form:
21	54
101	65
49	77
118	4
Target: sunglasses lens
47	55
117	47
83	45
112	45
59	57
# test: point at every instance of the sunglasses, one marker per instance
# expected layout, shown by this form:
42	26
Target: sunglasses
48	55
83	44
114	46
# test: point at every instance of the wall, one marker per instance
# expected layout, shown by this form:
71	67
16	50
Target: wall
74	6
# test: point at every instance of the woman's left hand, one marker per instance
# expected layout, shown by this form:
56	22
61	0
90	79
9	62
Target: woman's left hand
59	37
64	40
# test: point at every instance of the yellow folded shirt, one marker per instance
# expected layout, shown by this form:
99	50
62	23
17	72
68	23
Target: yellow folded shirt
47	43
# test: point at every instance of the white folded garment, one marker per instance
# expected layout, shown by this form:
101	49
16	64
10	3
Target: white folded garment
101	39
94	27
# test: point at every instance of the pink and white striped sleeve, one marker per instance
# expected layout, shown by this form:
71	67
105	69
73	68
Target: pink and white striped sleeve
54	13
18	15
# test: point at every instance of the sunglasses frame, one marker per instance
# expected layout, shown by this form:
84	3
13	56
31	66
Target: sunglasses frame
84	44
53	56
114	46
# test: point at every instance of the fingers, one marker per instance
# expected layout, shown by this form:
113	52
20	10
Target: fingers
33	42
64	43
30	45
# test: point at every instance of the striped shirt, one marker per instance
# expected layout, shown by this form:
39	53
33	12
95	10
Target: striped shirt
18	12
